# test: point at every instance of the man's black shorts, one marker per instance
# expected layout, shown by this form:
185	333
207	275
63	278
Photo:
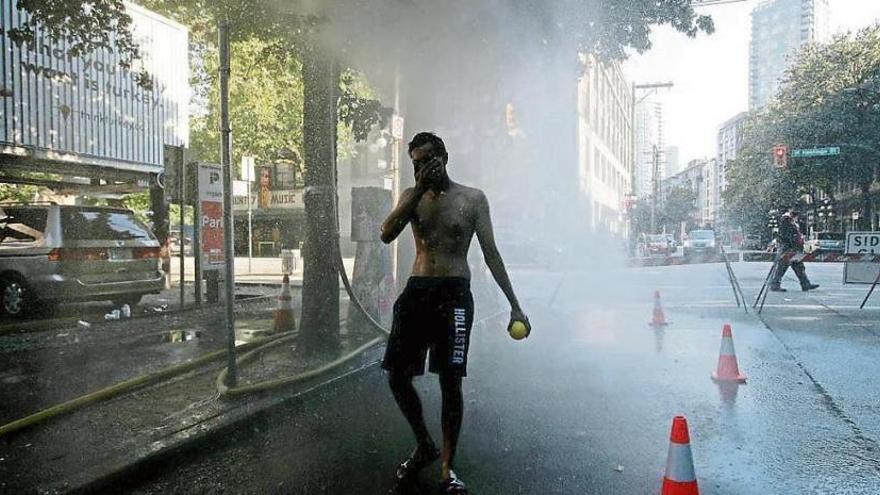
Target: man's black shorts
433	313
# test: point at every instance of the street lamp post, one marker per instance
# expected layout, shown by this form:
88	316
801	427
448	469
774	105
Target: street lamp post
772	222
825	213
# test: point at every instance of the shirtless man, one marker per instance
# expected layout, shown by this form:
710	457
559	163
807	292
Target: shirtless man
436	309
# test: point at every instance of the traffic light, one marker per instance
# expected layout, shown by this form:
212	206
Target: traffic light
780	156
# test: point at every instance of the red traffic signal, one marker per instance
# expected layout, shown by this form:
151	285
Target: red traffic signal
780	156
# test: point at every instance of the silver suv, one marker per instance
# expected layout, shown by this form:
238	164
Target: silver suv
54	253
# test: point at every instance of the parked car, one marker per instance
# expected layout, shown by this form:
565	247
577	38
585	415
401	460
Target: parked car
658	244
751	242
174	244
828	242
53	253
524	252
700	242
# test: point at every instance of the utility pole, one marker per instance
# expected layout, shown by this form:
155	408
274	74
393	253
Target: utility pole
655	189
226	167
651	87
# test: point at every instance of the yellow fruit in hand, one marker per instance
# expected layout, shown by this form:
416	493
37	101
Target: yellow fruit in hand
518	330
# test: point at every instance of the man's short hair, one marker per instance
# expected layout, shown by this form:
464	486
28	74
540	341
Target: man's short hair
424	138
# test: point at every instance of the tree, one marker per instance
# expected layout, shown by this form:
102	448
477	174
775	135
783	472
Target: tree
679	206
640	215
593	26
754	186
828	98
266	120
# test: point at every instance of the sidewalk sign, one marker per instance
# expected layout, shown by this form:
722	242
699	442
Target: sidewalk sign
861	243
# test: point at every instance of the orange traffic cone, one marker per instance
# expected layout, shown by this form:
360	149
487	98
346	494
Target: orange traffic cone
728	370
284	319
680	478
659	318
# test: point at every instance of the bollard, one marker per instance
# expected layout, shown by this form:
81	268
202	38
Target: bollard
371	281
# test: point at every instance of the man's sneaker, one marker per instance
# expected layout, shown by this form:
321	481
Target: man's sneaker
809	287
777	288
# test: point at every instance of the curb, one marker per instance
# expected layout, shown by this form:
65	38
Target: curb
34	326
184	442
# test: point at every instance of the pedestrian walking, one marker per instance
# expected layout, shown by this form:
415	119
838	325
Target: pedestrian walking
790	241
435	311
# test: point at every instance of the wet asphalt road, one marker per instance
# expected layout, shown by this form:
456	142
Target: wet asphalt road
586	403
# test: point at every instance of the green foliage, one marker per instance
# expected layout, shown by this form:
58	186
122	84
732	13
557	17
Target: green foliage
601	27
358	109
679	206
826	99
627	23
139	204
641	216
265	105
17	193
754	185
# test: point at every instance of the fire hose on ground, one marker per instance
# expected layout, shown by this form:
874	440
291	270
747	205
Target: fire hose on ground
122	387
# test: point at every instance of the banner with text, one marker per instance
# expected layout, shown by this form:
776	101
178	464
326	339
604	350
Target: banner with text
211	216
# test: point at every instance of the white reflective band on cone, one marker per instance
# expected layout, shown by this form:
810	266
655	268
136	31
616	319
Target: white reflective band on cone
680	463
727	347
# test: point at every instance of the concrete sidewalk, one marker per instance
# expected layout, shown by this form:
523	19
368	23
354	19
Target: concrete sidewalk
254	271
108	440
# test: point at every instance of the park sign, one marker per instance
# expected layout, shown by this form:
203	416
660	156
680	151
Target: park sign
62	108
813	152
210	209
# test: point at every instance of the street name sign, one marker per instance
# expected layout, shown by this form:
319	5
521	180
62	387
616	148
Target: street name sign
811	152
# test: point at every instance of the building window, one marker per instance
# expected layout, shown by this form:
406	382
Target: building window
285	178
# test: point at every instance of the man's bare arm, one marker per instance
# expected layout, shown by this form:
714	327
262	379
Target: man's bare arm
409	200
401	215
486	236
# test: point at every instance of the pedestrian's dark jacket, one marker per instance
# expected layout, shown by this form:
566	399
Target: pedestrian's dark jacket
790	238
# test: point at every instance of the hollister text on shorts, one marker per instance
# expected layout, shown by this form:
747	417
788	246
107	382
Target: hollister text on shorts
460	346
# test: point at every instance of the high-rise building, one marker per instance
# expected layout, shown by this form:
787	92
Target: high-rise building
673	166
605	135
730	140
649	139
779	28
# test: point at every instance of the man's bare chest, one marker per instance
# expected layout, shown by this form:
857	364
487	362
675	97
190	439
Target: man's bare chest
444	215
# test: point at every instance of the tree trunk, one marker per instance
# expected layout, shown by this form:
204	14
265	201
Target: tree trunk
320	300
161	226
